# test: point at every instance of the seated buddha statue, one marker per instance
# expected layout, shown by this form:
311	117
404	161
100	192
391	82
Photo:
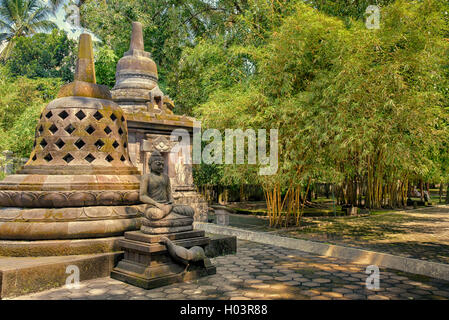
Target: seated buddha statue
161	214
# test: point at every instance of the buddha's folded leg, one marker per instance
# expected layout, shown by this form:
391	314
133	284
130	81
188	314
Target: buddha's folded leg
183	210
154	213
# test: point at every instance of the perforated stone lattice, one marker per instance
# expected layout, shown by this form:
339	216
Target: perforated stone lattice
81	137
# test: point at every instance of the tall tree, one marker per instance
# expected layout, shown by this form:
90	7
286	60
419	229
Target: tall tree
43	55
353	106
20	18
169	26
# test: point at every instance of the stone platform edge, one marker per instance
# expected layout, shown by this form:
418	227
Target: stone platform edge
25	275
354	255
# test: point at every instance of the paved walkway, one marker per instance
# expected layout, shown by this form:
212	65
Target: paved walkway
421	234
260	271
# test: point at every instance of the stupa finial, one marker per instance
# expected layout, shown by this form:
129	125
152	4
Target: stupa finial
85	67
85	84
136	37
136	75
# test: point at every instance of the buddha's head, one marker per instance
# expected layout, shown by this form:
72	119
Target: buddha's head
156	162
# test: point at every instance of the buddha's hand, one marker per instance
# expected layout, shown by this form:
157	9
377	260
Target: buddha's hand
166	208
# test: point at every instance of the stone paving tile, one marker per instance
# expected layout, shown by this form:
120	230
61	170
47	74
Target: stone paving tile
260	271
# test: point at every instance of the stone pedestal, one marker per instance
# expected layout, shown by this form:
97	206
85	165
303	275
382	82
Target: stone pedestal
9	166
221	215
351	211
148	265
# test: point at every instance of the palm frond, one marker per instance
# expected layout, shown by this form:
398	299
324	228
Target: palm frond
32	5
39	14
37	20
4	25
6	52
4	36
23	17
40	26
9	11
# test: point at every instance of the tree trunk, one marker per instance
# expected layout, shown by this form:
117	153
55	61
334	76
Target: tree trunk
421	187
327	190
447	194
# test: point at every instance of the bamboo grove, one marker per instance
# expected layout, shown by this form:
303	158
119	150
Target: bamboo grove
362	110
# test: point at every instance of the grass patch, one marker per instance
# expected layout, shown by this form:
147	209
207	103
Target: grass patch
376	226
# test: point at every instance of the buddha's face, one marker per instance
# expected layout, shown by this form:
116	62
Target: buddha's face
157	165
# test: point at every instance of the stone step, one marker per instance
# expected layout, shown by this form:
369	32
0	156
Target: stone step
42	248
25	275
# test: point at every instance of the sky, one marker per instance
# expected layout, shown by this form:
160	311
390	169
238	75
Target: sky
67	19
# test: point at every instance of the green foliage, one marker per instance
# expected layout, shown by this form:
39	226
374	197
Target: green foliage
172	27
349	102
105	64
44	56
207	174
208	66
21	101
341	8
20	137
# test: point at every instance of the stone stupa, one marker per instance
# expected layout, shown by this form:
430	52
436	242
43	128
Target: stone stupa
151	121
136	88
79	183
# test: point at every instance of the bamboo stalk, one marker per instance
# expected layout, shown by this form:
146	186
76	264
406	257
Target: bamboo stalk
303	203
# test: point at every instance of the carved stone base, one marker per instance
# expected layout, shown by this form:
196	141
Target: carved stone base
148	265
68	223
